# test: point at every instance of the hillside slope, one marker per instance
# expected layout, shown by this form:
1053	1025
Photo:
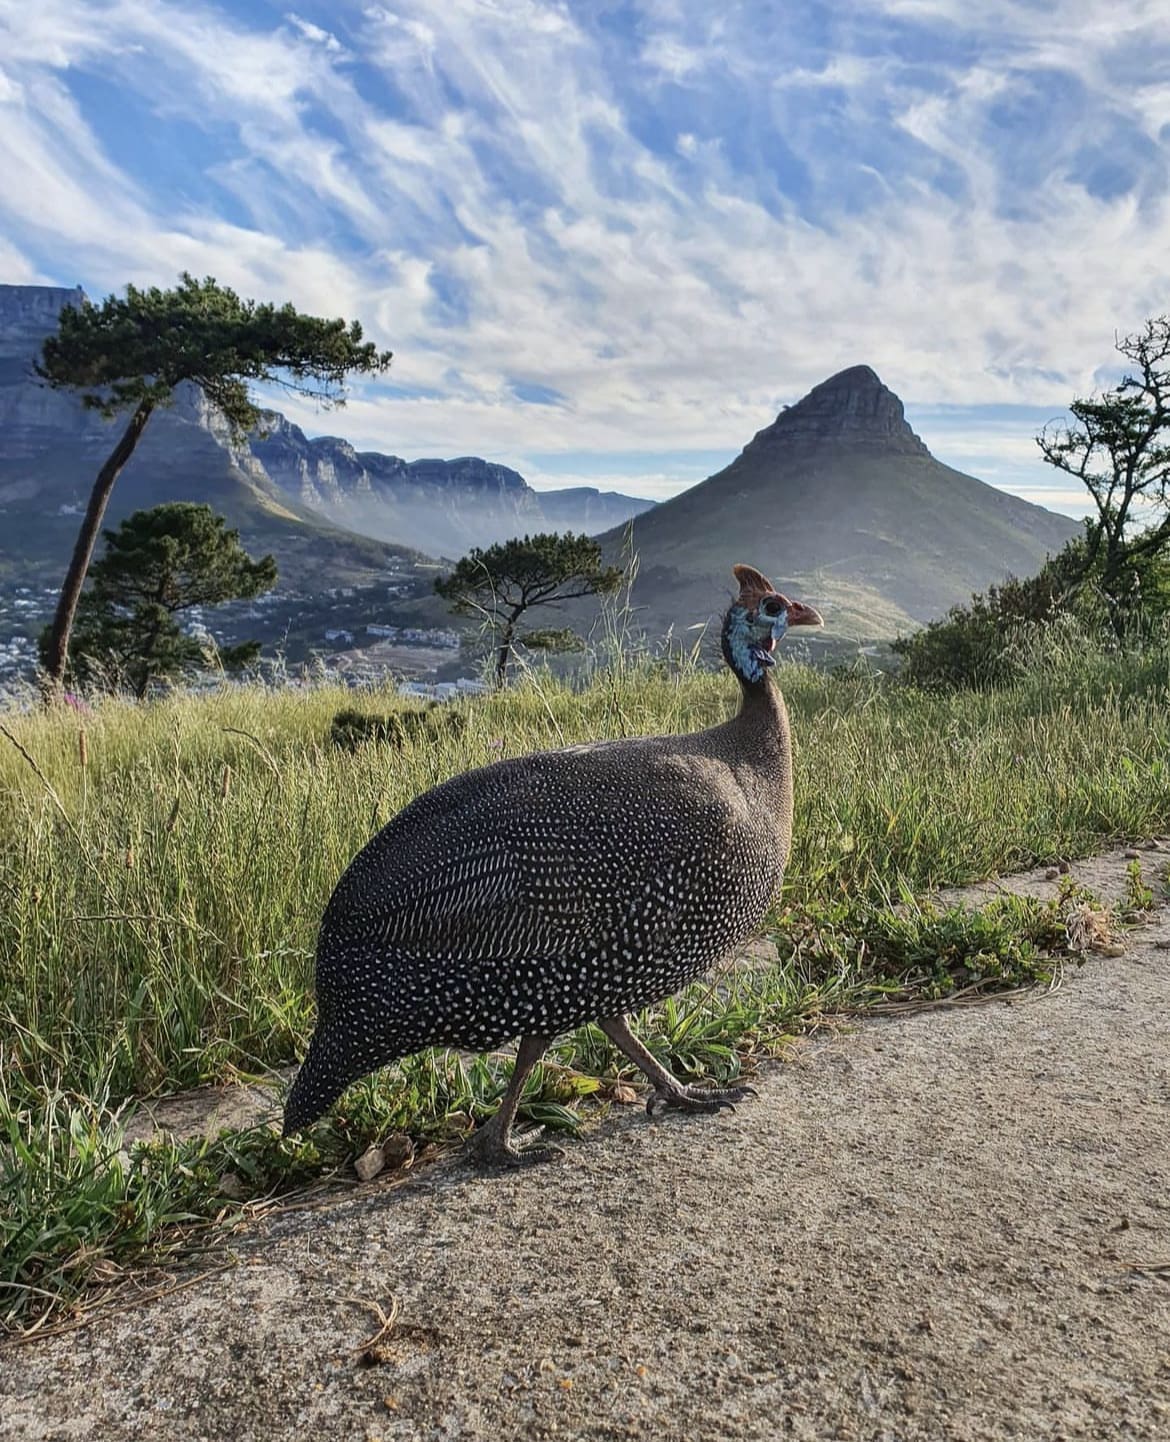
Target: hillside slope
839	501
52	448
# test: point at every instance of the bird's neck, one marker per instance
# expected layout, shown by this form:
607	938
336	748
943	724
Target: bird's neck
762	706
759	733
761	747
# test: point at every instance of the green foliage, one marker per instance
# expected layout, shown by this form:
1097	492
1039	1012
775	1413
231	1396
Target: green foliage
981	644
998	635
562	638
164	880
138	348
351	728
502	582
1117	448
916	950
1115	580
157	564
1139	896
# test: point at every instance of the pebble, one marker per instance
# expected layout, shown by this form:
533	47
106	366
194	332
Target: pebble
370	1163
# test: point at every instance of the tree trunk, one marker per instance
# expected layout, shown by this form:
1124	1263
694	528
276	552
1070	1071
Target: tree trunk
1111	585
57	650
504	654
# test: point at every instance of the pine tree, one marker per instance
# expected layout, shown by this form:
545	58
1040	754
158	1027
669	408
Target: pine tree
504	581
158	564
130	354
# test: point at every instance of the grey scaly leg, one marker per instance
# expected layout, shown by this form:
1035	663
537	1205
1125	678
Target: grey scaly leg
668	1090
492	1145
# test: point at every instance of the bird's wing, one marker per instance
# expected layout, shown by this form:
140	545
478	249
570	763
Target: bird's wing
528	865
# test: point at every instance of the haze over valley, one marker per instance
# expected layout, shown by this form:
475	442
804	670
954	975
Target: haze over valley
837	495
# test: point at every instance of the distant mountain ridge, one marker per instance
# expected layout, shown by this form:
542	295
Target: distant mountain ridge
837	499
51	447
330	513
444	507
841	502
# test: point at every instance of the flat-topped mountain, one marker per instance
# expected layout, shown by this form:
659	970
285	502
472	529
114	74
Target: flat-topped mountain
839	501
51	447
443	507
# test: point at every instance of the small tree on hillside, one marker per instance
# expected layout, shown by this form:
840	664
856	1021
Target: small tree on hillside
157	564
504	581
131	353
1118	448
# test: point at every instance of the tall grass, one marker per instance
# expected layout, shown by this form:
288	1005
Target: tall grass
163	868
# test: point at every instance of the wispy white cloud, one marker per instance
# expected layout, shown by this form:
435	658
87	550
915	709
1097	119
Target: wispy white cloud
17	269
315	33
677	225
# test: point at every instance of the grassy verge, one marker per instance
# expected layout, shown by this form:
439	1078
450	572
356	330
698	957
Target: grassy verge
164	868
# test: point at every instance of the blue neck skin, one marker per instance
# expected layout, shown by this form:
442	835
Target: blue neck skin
744	637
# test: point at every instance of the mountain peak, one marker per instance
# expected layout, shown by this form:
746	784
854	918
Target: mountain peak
852	408
853	378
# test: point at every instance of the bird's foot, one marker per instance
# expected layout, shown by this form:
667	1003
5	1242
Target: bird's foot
493	1152
697	1099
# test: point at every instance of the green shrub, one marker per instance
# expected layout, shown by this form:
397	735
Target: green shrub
1001	635
351	728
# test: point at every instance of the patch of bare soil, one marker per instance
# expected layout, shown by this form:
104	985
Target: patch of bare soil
952	1225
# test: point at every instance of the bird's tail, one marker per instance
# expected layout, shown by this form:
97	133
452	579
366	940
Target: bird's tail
318	1084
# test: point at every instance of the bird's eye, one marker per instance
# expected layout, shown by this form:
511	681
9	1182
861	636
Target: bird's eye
773	606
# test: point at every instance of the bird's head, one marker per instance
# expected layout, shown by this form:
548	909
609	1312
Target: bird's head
759	616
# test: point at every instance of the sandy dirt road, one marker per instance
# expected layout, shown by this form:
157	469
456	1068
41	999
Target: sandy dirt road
954	1225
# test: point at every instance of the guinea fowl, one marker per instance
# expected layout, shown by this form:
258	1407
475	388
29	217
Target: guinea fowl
534	895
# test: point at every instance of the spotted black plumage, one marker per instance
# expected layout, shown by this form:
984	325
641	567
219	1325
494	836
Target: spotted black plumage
534	895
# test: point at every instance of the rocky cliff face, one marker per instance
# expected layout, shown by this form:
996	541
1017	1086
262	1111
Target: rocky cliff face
52	447
852	408
34	417
28	313
444	507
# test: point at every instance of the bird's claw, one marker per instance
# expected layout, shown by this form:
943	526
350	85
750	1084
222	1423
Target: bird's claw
513	1157
492	1153
697	1099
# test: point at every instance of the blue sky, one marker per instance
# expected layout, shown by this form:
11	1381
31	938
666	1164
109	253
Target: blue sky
607	240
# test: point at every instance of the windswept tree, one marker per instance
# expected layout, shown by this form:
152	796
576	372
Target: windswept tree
1118	447
504	581
158	564
130	354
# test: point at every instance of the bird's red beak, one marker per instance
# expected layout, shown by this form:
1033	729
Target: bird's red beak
801	615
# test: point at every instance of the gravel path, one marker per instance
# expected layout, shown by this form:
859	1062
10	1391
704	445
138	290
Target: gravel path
954	1225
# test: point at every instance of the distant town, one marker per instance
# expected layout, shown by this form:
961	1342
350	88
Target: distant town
359	636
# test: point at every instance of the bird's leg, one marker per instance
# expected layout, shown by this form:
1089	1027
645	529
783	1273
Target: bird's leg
669	1092
492	1145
